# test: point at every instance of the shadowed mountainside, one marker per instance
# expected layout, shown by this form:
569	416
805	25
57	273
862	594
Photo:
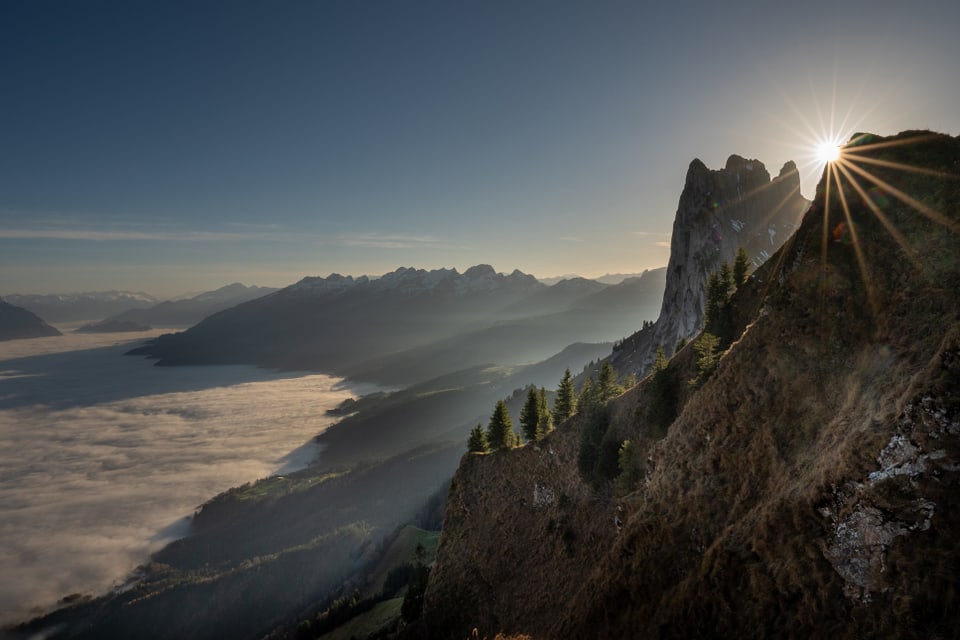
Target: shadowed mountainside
807	486
17	322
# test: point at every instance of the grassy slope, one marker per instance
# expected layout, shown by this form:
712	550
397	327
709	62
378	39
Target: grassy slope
367	623
401	550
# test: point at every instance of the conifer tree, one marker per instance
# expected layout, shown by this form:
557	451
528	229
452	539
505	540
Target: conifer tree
740	265
718	312
478	440
545	424
566	403
630	463
500	429
726	279
530	414
607	386
585	401
662	395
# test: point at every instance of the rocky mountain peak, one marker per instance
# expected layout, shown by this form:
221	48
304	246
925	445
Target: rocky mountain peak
479	271
719	211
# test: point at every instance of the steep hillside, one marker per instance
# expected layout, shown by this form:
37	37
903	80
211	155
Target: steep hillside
808	486
719	212
16	322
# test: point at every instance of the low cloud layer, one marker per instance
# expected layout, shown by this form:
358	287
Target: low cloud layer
96	474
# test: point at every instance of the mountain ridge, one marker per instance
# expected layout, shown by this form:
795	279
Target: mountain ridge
385	329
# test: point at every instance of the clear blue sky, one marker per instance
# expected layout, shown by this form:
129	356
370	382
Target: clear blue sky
178	146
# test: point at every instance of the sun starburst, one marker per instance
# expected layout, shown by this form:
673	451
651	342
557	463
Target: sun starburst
855	172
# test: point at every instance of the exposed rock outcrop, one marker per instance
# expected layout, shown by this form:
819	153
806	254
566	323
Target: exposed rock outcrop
719	211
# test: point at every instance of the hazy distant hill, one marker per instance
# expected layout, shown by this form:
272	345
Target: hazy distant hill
189	311
112	326
76	307
429	322
608	278
17	322
529	331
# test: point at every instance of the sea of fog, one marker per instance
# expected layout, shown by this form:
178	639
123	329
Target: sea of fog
104	456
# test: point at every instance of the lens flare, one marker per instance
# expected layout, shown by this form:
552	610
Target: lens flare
828	152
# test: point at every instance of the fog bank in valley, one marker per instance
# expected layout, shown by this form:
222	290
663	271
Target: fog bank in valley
102	457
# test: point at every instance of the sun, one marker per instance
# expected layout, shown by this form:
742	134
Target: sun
828	152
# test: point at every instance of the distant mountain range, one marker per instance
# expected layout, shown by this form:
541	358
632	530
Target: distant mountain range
77	307
413	324
609	278
17	322
189	311
135	307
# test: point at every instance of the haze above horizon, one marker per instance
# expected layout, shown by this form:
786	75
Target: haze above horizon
171	147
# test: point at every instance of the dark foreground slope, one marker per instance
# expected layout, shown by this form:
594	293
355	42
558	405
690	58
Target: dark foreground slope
810	487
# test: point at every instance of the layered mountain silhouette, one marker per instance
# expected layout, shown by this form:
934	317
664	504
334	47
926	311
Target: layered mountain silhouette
17	322
189	311
412	324
76	307
136	307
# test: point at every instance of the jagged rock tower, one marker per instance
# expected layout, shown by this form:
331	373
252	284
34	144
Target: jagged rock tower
719	211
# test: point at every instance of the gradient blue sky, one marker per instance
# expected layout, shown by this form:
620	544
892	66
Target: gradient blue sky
178	146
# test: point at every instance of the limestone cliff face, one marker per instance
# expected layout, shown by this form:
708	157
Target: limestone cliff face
810	487
719	211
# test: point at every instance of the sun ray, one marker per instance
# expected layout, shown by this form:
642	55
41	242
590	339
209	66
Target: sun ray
858	250
898	237
853	155
746	196
824	243
927	211
854	147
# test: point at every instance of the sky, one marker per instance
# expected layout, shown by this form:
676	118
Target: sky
169	147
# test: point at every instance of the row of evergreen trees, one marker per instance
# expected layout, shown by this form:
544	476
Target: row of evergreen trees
718	325
536	419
